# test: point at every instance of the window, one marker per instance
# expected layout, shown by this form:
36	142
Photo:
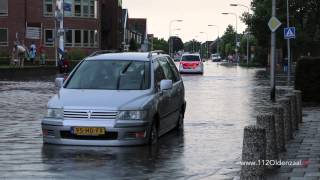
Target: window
48	37
92	8
167	69
81	38
158	74
111	75
77	38
48	8
174	69
72	8
85	8
85	38
191	58
92	38
3	37
77	7
68	38
3	7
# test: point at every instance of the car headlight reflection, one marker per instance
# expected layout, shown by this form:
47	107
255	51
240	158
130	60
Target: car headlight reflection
132	115
55	113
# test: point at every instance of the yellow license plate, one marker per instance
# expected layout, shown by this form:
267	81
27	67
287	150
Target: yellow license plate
88	131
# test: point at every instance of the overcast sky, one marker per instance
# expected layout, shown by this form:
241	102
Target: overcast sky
197	14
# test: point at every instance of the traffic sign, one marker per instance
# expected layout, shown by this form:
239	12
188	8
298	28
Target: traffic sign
290	33
274	24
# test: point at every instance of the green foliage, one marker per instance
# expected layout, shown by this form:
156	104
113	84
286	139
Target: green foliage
227	42
4	54
307	79
192	46
133	45
304	15
160	44
177	43
76	54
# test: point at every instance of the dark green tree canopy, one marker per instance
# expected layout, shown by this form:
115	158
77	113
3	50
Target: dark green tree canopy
304	15
176	43
160	44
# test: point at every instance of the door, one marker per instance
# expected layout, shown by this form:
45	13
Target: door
163	98
173	94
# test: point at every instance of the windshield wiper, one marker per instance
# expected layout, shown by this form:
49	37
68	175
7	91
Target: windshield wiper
122	72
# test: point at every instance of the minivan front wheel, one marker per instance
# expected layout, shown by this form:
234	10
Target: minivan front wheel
153	137
180	121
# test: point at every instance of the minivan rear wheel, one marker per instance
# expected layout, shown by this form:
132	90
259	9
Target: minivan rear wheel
153	137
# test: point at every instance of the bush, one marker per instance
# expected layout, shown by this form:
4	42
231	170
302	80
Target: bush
308	79
4	58
76	54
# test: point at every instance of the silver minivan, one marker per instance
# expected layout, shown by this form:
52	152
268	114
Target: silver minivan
116	99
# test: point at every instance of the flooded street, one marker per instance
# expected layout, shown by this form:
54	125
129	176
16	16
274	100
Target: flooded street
219	104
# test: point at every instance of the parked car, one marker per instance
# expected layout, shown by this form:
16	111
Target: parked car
191	63
116	99
215	57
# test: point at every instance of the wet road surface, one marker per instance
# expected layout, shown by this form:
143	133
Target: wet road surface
219	104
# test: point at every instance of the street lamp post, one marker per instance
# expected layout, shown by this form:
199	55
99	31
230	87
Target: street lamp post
248	42
206	42
218	39
170	40
236	16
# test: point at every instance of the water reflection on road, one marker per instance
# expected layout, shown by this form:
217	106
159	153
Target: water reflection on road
219	105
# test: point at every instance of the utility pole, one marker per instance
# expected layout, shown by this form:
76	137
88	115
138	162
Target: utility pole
61	40
60	16
273	56
288	45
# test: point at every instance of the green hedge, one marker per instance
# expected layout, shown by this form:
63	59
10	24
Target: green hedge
76	54
4	57
308	79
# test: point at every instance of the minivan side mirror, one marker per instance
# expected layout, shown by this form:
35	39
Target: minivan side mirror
166	84
59	82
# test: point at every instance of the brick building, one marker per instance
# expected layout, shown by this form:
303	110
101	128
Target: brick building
29	21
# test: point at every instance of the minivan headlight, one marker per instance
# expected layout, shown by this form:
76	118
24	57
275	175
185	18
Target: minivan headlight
132	115
55	113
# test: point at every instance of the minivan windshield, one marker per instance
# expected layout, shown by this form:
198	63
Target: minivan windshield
190	58
111	75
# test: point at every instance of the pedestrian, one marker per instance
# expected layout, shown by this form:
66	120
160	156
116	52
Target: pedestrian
14	59
64	64
42	55
33	52
21	53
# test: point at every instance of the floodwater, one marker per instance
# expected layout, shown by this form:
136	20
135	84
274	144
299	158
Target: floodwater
219	104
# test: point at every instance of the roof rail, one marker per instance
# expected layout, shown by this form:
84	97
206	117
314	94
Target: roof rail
155	52
104	52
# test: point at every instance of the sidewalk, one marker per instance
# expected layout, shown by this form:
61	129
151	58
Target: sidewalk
305	147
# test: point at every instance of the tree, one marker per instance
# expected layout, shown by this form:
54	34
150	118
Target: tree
160	44
133	45
177	43
303	15
192	46
228	42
